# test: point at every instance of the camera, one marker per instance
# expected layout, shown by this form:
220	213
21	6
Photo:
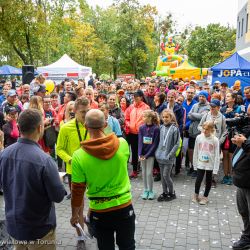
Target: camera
239	124
72	114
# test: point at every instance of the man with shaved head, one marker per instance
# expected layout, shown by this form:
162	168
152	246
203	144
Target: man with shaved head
101	165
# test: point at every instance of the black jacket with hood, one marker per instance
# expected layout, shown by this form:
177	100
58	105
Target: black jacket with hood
241	169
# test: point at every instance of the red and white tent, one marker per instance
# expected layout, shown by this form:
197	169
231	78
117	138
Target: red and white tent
65	67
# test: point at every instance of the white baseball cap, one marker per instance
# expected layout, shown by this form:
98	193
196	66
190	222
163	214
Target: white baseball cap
217	82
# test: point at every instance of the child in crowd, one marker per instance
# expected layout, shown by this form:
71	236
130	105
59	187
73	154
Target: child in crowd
10	128
113	124
148	140
165	153
206	159
35	84
1	149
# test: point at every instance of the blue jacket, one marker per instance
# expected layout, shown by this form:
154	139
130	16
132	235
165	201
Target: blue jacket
188	108
114	125
160	108
2	99
236	110
31	184
246	102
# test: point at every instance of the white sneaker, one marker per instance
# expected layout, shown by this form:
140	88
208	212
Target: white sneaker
195	198
203	201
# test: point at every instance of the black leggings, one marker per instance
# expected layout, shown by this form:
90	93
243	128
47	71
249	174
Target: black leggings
133	141
200	175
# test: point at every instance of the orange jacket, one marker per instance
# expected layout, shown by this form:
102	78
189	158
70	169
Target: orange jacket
133	117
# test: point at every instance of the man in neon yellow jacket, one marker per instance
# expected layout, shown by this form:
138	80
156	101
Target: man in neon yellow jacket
101	166
70	136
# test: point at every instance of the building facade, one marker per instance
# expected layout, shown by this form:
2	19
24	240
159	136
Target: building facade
243	29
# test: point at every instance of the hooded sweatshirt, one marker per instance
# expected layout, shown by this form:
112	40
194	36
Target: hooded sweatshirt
195	115
207	153
102	165
168	145
220	125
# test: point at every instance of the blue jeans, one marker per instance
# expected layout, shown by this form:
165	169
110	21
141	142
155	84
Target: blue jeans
121	222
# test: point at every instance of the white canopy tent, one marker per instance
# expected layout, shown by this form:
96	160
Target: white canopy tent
65	67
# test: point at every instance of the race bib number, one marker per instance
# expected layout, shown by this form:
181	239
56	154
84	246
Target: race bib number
204	158
147	140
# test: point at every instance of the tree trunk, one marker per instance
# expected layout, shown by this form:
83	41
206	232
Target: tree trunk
27	37
97	71
115	67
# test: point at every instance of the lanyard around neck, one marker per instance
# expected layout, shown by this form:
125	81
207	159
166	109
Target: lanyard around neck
78	131
79	134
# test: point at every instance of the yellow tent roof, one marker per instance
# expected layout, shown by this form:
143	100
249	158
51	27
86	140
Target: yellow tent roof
186	70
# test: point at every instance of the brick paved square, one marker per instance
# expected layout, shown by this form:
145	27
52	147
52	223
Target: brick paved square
179	224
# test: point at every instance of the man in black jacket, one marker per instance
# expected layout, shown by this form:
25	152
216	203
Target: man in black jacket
241	179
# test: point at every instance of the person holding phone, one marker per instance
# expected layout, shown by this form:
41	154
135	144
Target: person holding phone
241	177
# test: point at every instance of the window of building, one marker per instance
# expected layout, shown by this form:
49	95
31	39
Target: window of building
247	24
242	26
239	30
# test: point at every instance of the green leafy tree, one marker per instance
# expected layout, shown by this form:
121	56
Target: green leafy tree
205	45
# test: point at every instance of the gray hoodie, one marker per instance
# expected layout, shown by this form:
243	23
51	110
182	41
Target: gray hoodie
168	145
220	125
195	115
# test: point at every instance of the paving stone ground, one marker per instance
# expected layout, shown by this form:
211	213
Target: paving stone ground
179	224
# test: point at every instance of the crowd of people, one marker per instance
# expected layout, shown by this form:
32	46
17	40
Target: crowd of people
166	122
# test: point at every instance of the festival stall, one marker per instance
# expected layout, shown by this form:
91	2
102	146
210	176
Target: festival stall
233	68
65	67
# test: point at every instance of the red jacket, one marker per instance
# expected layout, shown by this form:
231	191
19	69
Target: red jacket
133	117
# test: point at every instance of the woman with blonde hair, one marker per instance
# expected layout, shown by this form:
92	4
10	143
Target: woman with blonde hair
36	102
89	93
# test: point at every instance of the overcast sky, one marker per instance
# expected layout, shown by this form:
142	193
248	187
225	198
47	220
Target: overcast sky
195	12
